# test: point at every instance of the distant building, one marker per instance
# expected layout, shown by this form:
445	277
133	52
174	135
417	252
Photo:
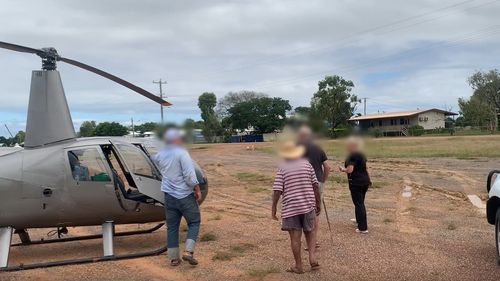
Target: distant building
398	123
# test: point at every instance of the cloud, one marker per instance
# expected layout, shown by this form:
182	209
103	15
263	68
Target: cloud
280	47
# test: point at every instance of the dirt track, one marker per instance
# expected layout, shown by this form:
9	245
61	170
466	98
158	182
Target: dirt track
436	234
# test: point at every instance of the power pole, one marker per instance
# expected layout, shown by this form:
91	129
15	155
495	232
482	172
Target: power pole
364	99
133	128
160	83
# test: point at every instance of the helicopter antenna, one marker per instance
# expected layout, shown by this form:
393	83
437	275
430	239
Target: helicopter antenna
6	127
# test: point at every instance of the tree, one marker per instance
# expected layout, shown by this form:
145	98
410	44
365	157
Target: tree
110	129
4	141
191	124
87	129
264	114
233	98
19	137
302	110
211	126
486	86
333	102
476	112
147	127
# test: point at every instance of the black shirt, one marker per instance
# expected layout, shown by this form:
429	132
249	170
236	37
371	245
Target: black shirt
359	175
316	157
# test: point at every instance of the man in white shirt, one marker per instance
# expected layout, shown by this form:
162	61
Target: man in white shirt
182	192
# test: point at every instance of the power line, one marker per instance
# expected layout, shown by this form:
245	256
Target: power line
449	43
363	32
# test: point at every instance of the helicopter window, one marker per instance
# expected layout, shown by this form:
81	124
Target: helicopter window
87	165
136	161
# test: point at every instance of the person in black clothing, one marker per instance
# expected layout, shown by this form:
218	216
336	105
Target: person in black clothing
318	160
359	181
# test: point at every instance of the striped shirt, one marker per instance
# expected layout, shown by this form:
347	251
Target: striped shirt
295	179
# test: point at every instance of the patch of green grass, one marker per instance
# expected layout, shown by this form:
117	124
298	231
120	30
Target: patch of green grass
242	248
233	252
388	220
252	177
261	273
463	147
257	189
208	237
223	256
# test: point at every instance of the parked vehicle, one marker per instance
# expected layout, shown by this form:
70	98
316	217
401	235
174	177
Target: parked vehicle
493	206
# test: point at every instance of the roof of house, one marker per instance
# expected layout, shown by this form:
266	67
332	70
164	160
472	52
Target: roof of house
398	114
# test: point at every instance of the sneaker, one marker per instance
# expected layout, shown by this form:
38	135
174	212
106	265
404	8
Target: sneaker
353	221
361	231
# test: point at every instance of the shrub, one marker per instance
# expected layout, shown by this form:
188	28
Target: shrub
376	132
416	130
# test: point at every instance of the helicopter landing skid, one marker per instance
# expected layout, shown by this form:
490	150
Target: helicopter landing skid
107	236
87	237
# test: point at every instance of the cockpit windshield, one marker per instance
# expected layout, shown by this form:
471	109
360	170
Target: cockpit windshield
137	161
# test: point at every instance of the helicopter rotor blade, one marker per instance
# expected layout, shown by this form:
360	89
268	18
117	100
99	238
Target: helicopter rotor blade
18	48
118	80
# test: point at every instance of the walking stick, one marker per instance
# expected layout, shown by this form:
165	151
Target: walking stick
327	220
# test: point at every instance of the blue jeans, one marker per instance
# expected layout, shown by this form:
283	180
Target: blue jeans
175	209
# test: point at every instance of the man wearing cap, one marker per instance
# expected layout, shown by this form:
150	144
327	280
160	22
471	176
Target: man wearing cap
182	192
296	183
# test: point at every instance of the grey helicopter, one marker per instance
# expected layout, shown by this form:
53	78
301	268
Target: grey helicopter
58	180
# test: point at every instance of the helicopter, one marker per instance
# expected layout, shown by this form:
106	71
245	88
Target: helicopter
58	180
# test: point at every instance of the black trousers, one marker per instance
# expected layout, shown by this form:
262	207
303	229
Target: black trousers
358	198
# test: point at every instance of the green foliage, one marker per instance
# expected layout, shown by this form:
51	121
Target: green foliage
333	102
264	114
87	129
233	98
19	137
211	125
475	112
416	130
147	127
376	132
191	124
110	129
483	107
302	110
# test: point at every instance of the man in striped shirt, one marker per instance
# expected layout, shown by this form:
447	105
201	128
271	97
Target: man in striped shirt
297	184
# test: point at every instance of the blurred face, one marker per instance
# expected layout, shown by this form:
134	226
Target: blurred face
176	141
352	147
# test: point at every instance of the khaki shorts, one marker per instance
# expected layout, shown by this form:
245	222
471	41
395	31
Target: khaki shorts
303	222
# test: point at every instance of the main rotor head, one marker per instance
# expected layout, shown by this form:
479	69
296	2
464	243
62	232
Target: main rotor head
49	57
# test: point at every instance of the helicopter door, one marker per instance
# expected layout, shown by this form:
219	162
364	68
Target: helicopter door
145	175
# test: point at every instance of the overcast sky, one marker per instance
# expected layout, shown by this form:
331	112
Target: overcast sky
401	55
